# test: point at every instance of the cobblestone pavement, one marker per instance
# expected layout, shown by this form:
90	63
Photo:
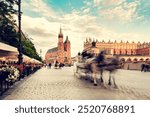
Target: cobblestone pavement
56	84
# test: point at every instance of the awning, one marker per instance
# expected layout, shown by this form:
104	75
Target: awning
6	47
9	53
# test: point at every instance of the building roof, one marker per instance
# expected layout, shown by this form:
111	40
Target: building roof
55	49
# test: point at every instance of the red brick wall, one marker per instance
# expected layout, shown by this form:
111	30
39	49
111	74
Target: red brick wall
51	57
60	54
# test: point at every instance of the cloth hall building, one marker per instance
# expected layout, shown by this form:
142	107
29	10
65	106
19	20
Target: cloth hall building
117	48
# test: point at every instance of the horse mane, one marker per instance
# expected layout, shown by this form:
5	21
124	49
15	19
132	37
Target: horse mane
87	55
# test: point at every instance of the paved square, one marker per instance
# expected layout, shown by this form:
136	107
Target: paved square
61	84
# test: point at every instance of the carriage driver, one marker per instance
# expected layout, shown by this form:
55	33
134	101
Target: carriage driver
101	57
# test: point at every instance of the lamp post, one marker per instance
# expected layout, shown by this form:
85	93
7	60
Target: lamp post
20	58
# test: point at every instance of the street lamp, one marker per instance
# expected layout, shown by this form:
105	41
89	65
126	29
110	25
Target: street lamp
20	58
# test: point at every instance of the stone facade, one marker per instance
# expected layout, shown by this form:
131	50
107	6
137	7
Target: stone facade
61	53
117	48
143	49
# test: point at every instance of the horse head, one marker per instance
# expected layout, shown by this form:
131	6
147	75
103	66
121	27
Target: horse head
112	63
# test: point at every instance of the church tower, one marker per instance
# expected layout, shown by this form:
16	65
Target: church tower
60	47
67	50
60	40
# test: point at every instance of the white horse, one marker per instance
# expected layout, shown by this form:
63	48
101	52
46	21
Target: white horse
93	67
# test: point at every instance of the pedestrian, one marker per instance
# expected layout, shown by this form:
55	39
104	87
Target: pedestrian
56	64
142	67
101	57
128	68
60	65
50	65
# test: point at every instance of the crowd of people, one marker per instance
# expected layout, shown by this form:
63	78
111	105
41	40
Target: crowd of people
11	72
56	65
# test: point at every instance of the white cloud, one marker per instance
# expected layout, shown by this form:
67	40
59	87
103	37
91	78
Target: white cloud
97	2
40	30
113	2
108	2
86	10
40	7
87	2
124	12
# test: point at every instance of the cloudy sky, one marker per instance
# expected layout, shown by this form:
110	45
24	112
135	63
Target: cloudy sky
81	19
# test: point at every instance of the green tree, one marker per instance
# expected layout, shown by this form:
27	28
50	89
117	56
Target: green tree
8	33
29	49
8	29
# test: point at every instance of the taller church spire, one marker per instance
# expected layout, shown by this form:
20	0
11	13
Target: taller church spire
60	34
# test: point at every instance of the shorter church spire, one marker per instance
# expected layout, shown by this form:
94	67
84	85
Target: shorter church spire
66	37
67	40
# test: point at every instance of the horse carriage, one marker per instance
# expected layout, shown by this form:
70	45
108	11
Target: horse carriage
91	67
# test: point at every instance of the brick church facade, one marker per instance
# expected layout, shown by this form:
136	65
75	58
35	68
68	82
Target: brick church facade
61	53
